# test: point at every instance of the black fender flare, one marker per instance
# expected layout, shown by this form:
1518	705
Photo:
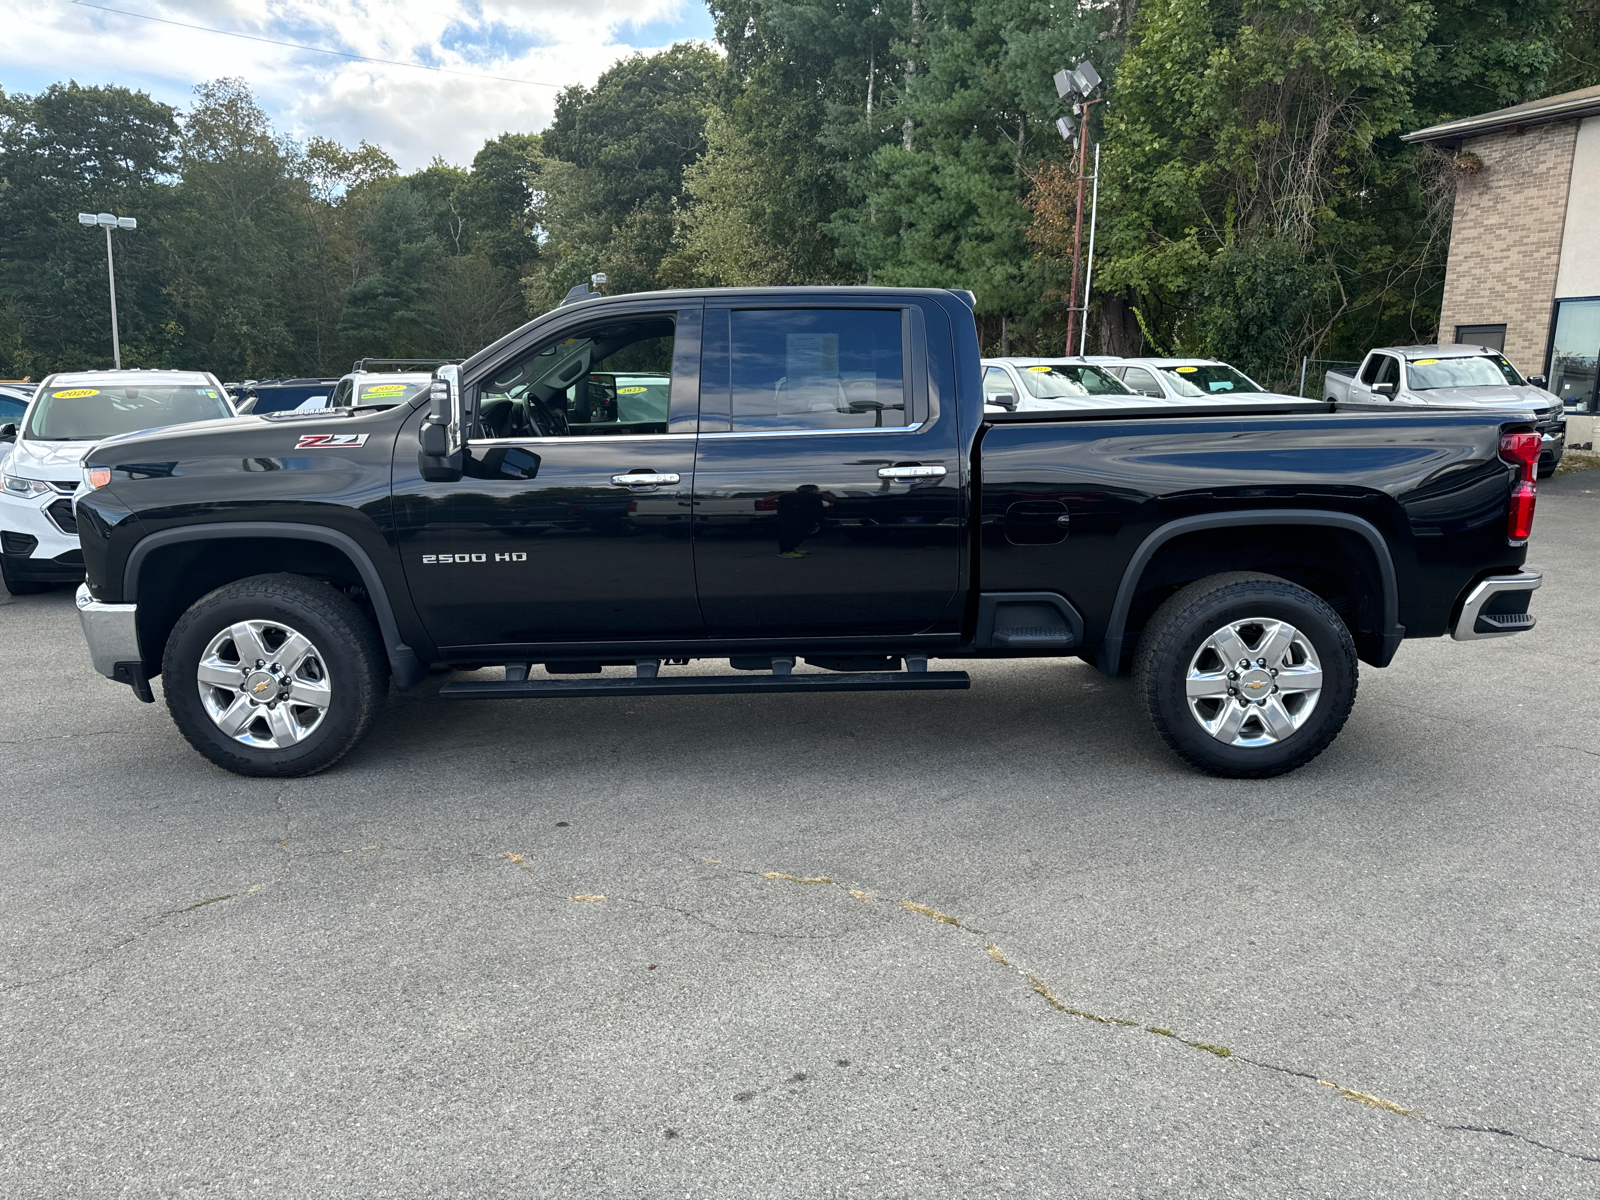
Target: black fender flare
1108	658
404	665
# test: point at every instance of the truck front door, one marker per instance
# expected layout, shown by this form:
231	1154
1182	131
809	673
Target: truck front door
572	521
828	482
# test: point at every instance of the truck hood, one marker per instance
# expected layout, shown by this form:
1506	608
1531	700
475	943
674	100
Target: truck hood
55	461
1490	397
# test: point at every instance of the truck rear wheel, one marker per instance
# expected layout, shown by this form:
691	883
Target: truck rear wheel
1246	675
274	675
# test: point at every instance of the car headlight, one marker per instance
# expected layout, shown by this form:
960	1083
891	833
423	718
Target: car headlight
14	485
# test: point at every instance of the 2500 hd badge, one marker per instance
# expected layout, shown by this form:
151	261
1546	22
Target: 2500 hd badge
509	556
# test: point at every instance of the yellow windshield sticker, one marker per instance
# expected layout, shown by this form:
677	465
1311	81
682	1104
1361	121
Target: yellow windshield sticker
1041	370
1424	362
383	389
1186	370
76	393
630	391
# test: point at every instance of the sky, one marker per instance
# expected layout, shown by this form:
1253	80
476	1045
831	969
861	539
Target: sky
413	114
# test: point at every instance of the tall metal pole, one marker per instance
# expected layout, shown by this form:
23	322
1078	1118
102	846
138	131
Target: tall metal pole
1077	230
111	274
1088	275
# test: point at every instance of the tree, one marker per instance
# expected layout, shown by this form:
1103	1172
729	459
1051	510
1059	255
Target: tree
67	150
612	166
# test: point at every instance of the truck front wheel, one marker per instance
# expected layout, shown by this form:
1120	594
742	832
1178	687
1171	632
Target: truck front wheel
1246	675
274	675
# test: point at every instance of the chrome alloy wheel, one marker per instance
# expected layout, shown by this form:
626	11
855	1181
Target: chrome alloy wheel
1253	682
264	684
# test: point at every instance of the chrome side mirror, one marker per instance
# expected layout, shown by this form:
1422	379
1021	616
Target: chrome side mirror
444	430
1383	389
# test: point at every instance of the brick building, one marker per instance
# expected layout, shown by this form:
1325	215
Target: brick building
1524	267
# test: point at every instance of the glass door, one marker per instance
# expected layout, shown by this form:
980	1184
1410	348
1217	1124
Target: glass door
1573	353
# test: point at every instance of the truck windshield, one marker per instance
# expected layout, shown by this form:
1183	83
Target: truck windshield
1491	370
88	414
1214	379
1062	381
386	393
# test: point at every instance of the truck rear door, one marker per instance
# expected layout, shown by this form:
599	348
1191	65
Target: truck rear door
828	484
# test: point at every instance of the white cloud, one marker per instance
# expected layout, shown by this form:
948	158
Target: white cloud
414	114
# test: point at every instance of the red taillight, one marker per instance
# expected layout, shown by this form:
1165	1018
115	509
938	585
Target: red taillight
1522	450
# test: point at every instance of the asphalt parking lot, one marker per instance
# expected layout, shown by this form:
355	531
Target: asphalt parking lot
998	942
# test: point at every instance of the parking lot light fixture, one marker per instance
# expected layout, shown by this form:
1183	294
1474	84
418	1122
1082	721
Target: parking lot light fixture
111	221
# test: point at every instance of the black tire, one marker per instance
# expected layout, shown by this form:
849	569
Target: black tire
20	587
348	656
1176	637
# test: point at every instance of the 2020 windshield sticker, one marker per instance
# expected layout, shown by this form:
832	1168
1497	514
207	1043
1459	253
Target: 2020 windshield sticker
330	441
75	393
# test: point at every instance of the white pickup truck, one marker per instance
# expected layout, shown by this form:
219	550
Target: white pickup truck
1453	377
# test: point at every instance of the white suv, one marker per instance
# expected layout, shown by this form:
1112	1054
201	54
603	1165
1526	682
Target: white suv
66	417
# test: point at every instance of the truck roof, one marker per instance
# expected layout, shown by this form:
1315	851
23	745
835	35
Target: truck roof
1412	353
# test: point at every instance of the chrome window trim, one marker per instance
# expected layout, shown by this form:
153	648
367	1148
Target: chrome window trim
582	439
733	433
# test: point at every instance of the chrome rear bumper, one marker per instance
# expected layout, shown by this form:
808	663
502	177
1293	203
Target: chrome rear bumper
1504	619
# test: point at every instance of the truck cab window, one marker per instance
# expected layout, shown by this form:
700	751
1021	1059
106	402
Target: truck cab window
1143	382
1389	370
608	380
818	369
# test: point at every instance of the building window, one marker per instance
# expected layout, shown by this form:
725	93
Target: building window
1492	336
1574	349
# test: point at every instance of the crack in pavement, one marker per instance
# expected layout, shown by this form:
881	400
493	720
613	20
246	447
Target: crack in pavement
1043	989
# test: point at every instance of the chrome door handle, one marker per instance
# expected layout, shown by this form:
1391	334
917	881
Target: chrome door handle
642	479
911	472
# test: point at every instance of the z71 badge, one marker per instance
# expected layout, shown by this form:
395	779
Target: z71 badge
328	441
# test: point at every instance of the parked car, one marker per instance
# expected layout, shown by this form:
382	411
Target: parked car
279	572
1050	385
68	415
13	403
378	389
1187	379
1454	377
262	396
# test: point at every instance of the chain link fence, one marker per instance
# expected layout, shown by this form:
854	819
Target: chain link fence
1313	373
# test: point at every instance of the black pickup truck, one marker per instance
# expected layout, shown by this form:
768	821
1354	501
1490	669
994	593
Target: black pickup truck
783	478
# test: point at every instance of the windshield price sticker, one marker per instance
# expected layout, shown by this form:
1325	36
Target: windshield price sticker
329	441
1187	370
383	389
75	393
633	391
1424	362
1041	370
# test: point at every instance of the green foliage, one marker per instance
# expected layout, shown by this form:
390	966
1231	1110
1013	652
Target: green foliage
611	171
1260	204
255	256
1256	200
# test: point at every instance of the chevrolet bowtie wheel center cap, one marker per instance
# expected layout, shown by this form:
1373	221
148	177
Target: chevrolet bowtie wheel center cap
261	686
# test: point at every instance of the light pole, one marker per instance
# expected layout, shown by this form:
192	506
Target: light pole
1082	79
111	222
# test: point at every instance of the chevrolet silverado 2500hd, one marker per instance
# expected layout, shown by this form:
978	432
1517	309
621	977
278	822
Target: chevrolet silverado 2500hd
1456	376
785	477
